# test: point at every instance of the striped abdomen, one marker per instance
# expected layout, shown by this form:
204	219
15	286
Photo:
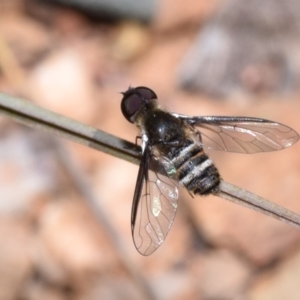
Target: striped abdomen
194	168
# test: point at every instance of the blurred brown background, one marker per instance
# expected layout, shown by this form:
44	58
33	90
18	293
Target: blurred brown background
221	57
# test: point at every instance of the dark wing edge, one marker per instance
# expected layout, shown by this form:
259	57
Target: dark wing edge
154	206
242	134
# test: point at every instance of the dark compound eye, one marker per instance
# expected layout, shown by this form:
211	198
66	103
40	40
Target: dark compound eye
130	104
133	99
146	93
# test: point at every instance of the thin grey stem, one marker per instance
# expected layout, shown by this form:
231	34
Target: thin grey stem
34	116
252	201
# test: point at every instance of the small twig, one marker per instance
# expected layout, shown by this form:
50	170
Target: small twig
37	117
252	201
115	9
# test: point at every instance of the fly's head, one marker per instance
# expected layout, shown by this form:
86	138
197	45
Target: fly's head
135	101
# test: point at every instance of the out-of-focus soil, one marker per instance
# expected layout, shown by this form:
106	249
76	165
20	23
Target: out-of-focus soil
52	246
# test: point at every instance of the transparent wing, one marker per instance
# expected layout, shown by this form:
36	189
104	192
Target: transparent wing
154	206
242	134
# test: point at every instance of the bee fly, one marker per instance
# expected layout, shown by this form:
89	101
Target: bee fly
173	142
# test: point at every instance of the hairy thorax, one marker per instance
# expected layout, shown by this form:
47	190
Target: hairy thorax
164	129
